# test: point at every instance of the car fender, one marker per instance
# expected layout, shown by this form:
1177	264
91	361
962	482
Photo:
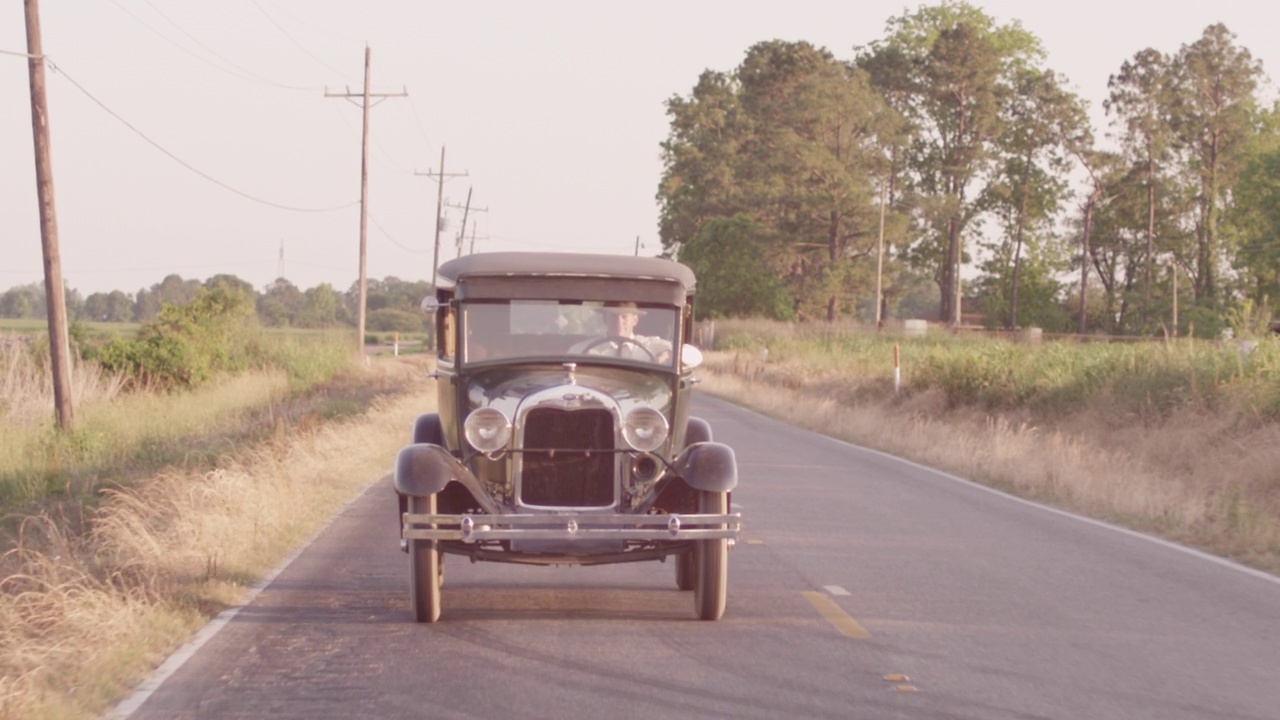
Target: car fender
425	468
708	466
697	430
428	429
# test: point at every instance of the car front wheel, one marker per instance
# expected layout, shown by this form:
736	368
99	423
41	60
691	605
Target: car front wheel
424	568
711	560
686	571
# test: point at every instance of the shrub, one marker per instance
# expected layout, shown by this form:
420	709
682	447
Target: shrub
393	320
185	345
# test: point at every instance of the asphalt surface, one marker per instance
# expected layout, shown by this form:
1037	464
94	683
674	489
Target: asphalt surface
864	587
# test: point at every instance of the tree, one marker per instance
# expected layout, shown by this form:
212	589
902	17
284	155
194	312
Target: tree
946	68
792	140
233	283
736	277
1255	215
1140	98
21	302
1040	122
1104	169
319	307
95	307
1213	118
698	159
394	320
280	304
119	307
146	305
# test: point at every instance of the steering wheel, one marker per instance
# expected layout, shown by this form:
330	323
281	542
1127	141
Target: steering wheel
622	341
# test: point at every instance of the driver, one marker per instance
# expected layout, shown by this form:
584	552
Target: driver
621	340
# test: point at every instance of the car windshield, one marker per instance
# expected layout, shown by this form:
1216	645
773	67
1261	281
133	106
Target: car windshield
516	329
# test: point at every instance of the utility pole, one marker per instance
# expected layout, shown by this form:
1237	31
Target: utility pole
466	210
440	178
364	188
55	299
884	191
637	246
472	250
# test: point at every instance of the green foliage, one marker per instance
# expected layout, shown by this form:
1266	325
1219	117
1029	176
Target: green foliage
185	345
308	358
395	320
1146	381
792	141
735	277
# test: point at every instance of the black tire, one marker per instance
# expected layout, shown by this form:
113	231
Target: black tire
424	568
427	429
686	571
711	558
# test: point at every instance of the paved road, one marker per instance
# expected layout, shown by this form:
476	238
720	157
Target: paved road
866	587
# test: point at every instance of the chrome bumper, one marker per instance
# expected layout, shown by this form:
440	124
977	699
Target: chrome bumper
479	528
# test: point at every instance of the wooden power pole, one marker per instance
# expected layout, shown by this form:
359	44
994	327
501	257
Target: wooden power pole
440	178
435	256
364	189
55	300
466	211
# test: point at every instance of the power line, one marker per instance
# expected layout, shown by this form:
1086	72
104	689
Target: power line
223	58
422	129
313	26
299	45
182	162
395	242
377	145
207	266
29	56
245	71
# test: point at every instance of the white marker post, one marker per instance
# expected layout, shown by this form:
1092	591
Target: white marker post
897	372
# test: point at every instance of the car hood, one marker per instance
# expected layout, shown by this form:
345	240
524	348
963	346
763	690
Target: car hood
504	388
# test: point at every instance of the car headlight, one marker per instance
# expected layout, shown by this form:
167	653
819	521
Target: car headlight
644	429
487	429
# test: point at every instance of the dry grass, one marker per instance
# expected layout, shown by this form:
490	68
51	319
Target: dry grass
26	387
1203	479
84	617
112	435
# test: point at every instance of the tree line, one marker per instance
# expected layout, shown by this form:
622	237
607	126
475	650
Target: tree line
949	163
392	304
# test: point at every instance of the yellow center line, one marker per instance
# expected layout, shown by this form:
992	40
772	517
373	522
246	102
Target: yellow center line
834	615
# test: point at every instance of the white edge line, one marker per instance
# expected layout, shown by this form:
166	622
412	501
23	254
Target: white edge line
147	687
1223	562
835	590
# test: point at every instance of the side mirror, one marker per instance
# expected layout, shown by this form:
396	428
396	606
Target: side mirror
430	304
690	356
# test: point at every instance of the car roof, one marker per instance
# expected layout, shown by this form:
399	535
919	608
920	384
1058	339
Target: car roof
549	264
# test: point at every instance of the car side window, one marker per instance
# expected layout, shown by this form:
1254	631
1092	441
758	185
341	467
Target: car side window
446	325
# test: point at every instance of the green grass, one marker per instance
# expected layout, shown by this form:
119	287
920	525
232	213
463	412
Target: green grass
31	326
1147	380
116	441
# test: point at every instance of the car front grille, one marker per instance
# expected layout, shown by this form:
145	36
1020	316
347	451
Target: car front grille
559	469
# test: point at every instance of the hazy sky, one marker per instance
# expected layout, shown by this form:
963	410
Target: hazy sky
555	109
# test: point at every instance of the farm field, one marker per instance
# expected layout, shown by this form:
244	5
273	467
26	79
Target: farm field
1180	439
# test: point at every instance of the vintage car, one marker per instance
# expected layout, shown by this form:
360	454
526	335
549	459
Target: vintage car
563	433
